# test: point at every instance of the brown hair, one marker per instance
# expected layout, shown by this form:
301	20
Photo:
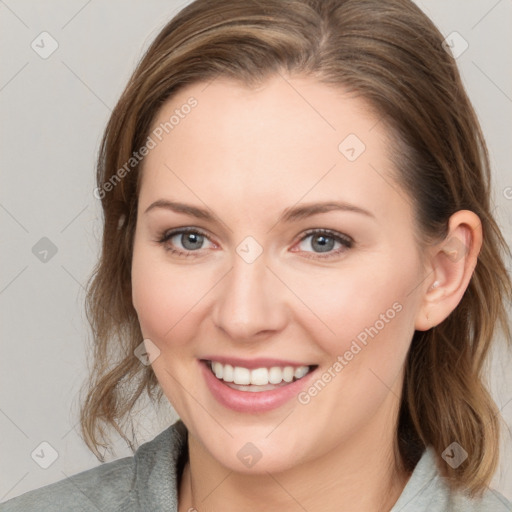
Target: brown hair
389	53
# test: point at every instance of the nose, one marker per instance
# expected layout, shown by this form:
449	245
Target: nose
250	301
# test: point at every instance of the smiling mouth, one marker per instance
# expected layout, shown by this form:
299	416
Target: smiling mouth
257	379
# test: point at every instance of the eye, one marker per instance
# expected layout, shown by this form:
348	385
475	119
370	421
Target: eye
323	241
184	241
188	241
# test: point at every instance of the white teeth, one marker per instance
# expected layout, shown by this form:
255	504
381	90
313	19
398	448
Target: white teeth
288	374
258	376
228	374
275	375
217	369
299	372
241	375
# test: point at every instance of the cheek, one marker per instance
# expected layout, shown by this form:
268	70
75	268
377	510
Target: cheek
372	317
167	297
361	307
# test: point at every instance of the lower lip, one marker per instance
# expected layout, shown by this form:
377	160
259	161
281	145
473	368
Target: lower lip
247	401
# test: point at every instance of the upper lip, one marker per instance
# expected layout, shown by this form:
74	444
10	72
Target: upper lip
260	362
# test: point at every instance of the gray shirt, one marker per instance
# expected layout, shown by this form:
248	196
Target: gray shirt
147	482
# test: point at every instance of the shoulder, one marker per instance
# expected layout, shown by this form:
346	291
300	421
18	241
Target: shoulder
83	491
122	485
427	491
491	501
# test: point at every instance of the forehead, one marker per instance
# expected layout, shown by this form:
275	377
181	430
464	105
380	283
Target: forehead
289	138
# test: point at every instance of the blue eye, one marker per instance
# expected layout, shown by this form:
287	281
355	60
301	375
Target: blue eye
323	241
190	239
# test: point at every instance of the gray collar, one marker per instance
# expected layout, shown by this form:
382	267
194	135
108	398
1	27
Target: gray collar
158	465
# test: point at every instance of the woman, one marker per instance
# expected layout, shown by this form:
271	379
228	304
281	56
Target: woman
299	253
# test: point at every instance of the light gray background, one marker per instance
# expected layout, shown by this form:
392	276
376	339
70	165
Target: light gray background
54	111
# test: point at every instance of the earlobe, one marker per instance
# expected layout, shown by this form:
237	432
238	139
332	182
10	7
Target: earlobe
452	263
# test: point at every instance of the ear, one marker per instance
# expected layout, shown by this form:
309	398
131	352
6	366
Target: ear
450	265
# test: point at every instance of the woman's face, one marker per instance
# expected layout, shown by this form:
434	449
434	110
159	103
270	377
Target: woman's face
300	255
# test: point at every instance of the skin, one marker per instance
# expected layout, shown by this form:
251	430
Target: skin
247	155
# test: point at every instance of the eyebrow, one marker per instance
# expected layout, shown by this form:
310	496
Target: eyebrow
291	214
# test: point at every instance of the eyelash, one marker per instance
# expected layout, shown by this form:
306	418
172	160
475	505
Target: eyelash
345	240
